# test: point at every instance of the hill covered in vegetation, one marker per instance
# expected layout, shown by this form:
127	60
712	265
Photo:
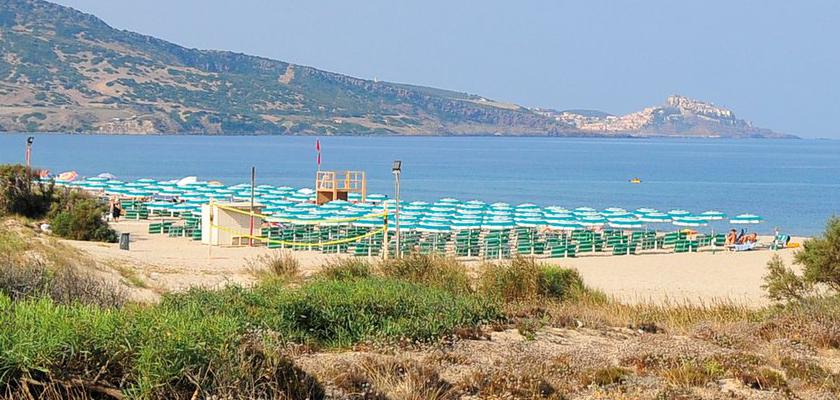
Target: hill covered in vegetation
62	70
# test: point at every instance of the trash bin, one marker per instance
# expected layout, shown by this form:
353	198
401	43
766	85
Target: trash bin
124	239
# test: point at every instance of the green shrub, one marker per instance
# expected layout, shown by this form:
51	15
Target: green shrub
432	270
226	341
78	216
346	268
66	285
511	281
821	256
559	283
22	194
341	313
283	265
526	279
781	283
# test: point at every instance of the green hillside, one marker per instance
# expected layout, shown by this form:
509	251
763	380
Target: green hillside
63	70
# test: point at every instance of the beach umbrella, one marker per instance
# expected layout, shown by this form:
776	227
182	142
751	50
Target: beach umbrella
625	223
645	210
564	225
591	220
460	224
559	217
746	219
106	176
530	222
433	227
690	221
449	200
679	213
370	222
497	224
160	205
376	197
146	180
68	176
617	215
712	215
527	206
655	217
190	180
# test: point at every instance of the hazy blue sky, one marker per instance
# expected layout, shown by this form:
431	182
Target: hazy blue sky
776	63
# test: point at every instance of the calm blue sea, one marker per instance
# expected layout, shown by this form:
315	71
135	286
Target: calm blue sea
793	184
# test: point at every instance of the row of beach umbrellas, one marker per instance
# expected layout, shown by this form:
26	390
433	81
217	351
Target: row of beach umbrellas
286	204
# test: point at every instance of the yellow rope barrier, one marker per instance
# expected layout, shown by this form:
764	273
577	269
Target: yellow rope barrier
300	244
299	222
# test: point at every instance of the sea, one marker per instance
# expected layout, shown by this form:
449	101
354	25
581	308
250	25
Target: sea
793	184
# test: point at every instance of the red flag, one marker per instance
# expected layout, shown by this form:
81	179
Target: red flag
318	149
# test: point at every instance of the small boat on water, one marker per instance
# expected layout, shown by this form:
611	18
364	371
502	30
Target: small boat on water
635	180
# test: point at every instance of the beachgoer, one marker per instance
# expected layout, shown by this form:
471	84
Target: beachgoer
751	238
116	211
731	238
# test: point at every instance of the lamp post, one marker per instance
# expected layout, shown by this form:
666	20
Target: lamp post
28	156
396	169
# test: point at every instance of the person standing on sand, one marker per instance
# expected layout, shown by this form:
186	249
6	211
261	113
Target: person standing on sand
116	211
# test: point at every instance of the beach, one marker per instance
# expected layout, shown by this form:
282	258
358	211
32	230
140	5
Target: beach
175	264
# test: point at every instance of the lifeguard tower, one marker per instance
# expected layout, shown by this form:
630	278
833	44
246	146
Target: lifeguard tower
337	185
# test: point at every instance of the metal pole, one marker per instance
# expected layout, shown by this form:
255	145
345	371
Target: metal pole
253	194
397	213
385	234
28	155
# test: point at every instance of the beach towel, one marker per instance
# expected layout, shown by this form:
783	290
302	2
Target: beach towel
744	247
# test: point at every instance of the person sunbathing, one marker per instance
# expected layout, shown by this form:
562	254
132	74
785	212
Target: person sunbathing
731	238
750	238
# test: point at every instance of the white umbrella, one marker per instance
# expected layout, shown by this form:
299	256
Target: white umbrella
746	219
187	181
655	217
712	215
690	221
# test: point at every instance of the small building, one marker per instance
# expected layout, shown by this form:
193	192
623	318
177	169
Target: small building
229	224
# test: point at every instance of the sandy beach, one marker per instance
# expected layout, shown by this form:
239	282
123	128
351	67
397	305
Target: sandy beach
175	264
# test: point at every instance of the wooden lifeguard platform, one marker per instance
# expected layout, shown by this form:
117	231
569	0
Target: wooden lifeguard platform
337	185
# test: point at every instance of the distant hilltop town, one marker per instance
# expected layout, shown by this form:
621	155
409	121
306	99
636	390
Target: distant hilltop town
62	70
679	115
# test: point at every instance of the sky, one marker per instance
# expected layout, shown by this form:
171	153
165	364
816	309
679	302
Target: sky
775	63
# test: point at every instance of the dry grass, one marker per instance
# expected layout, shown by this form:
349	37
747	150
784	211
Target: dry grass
605	376
346	268
390	378
432	270
279	265
691	374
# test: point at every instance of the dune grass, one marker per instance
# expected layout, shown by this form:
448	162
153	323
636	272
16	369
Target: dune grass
162	348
